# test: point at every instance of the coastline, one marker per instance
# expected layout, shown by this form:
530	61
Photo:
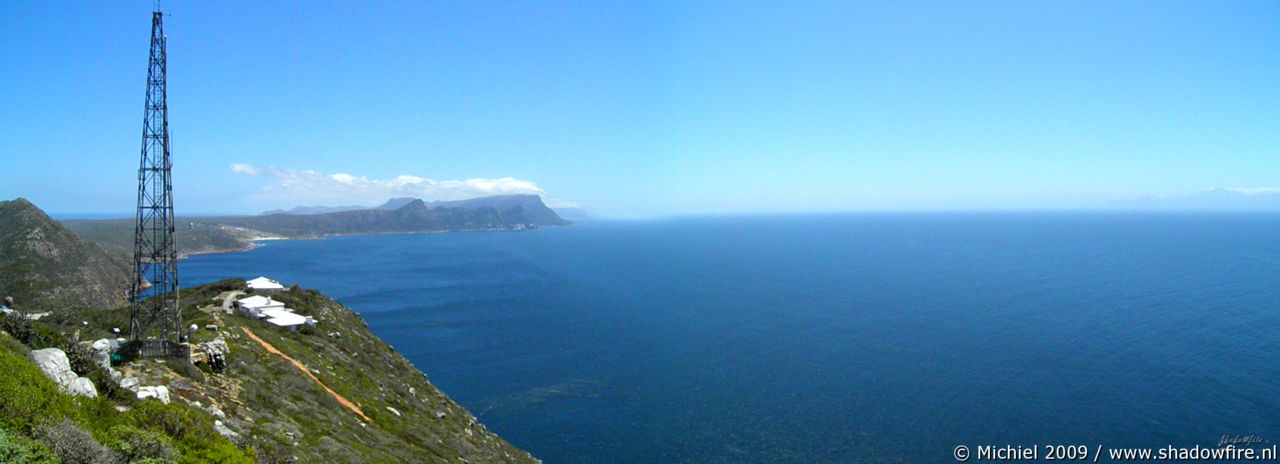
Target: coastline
255	242
248	247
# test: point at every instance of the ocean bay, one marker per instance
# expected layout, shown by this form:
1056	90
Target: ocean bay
823	338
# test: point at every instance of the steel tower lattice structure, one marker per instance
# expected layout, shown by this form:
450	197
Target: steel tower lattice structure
154	317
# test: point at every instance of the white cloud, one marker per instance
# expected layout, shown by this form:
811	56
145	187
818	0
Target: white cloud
1256	191
293	188
241	168
346	178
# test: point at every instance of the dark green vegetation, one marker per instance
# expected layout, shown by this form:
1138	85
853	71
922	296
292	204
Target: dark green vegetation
279	413
234	233
39	424
44	266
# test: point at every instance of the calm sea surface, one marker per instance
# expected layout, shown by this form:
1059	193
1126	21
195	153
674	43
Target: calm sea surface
813	339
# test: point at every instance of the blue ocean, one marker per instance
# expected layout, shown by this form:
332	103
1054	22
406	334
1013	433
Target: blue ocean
879	337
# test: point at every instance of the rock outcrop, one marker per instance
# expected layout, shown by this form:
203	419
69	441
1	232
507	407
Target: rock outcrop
101	351
225	431
213	352
55	364
158	392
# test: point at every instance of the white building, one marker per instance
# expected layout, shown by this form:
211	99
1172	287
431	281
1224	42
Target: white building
274	312
256	304
284	318
264	284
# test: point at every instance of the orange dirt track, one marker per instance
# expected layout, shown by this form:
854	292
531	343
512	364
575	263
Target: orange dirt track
273	350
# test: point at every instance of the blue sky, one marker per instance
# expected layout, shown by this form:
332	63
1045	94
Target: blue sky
646	108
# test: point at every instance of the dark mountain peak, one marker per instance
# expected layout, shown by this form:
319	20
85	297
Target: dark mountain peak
21	220
520	207
413	204
397	203
19	202
20	207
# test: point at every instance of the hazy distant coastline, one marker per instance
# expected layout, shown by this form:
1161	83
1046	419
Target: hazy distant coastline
229	234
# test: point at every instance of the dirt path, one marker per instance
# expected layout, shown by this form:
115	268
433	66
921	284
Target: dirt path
273	350
230	299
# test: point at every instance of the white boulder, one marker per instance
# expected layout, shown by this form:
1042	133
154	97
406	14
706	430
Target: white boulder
101	351
130	383
160	393
55	364
217	346
225	431
215	412
83	387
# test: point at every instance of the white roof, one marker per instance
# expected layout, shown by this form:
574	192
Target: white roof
263	283
283	318
259	301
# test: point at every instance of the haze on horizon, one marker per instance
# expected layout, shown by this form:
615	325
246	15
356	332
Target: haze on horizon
639	109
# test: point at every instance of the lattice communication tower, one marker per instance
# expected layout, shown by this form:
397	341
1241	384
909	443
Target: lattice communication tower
155	323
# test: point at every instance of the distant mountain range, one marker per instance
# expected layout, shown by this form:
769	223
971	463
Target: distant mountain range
575	214
531	204
394	203
1219	199
305	210
398	215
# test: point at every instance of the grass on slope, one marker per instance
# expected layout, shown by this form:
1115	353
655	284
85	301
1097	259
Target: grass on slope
33	415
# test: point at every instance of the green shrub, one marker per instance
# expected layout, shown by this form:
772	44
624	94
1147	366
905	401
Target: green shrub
11	345
151	461
34	335
270	452
80	357
108	388
171	419
99	414
73	444
133	444
17	449
198	451
27	395
190	429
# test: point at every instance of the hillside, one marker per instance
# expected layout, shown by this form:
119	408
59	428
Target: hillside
48	267
400	215
192	236
282	396
288	417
